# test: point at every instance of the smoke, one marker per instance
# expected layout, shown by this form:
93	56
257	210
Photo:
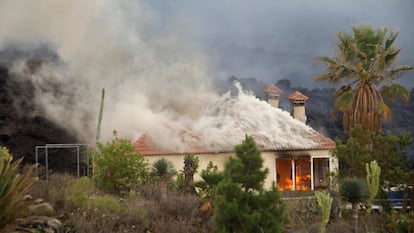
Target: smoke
156	61
103	44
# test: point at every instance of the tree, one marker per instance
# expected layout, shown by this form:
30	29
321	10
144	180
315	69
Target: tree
191	164
117	168
163	170
365	67
241	203
389	150
354	191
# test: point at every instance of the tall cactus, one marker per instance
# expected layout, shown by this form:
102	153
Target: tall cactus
98	129
324	200
373	179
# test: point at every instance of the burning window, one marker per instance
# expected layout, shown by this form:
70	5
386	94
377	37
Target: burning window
284	173
321	173
301	171
302	174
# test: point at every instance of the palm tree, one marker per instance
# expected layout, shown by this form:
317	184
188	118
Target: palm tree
354	191
163	170
365	67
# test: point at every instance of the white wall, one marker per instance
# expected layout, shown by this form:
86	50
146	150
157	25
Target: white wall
219	160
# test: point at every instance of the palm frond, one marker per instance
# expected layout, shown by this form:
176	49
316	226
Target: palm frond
163	168
17	208
387	112
395	91
397	72
390	40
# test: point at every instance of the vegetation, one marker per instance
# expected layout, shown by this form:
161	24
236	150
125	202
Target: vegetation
241	203
354	191
98	128
191	164
117	168
18	210
387	149
324	201
373	181
163	170
365	67
211	177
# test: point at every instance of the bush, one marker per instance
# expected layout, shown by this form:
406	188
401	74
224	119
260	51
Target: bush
17	208
78	192
117	168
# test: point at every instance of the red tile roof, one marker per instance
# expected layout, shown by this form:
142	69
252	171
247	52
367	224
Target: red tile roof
273	89
297	96
146	146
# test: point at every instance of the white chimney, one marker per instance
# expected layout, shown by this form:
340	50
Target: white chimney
273	94
298	101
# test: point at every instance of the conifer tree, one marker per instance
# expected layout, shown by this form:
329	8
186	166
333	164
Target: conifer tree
242	204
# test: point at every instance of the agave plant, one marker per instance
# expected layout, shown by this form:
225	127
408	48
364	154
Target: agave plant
19	212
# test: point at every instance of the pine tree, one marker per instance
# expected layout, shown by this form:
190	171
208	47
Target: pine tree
242	204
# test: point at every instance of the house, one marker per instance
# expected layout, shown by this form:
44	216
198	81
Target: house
292	163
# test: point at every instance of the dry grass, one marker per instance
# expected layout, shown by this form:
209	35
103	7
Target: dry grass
145	211
141	211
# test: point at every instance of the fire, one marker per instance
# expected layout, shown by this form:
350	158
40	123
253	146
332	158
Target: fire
303	182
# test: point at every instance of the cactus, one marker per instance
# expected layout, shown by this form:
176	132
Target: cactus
373	179
324	200
98	129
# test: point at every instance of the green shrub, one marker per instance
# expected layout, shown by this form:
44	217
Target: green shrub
81	194
107	204
117	168
78	192
324	201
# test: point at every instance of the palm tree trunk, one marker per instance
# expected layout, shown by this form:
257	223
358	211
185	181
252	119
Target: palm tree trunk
355	216
163	189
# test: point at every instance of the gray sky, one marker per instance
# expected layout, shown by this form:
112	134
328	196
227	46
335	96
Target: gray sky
274	39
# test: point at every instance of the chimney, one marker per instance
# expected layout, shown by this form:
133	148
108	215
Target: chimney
273	94
298	101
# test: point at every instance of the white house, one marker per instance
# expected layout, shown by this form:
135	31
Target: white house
292	166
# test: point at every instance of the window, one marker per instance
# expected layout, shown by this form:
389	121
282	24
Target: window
284	173
301	170
303	174
321	173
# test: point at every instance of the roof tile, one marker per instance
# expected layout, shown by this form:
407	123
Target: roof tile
273	89
297	96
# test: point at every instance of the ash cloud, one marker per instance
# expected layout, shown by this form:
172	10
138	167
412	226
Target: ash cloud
103	44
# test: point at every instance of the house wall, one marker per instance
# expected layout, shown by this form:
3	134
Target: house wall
269	158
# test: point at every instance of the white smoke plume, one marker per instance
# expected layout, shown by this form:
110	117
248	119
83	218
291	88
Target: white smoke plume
155	83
